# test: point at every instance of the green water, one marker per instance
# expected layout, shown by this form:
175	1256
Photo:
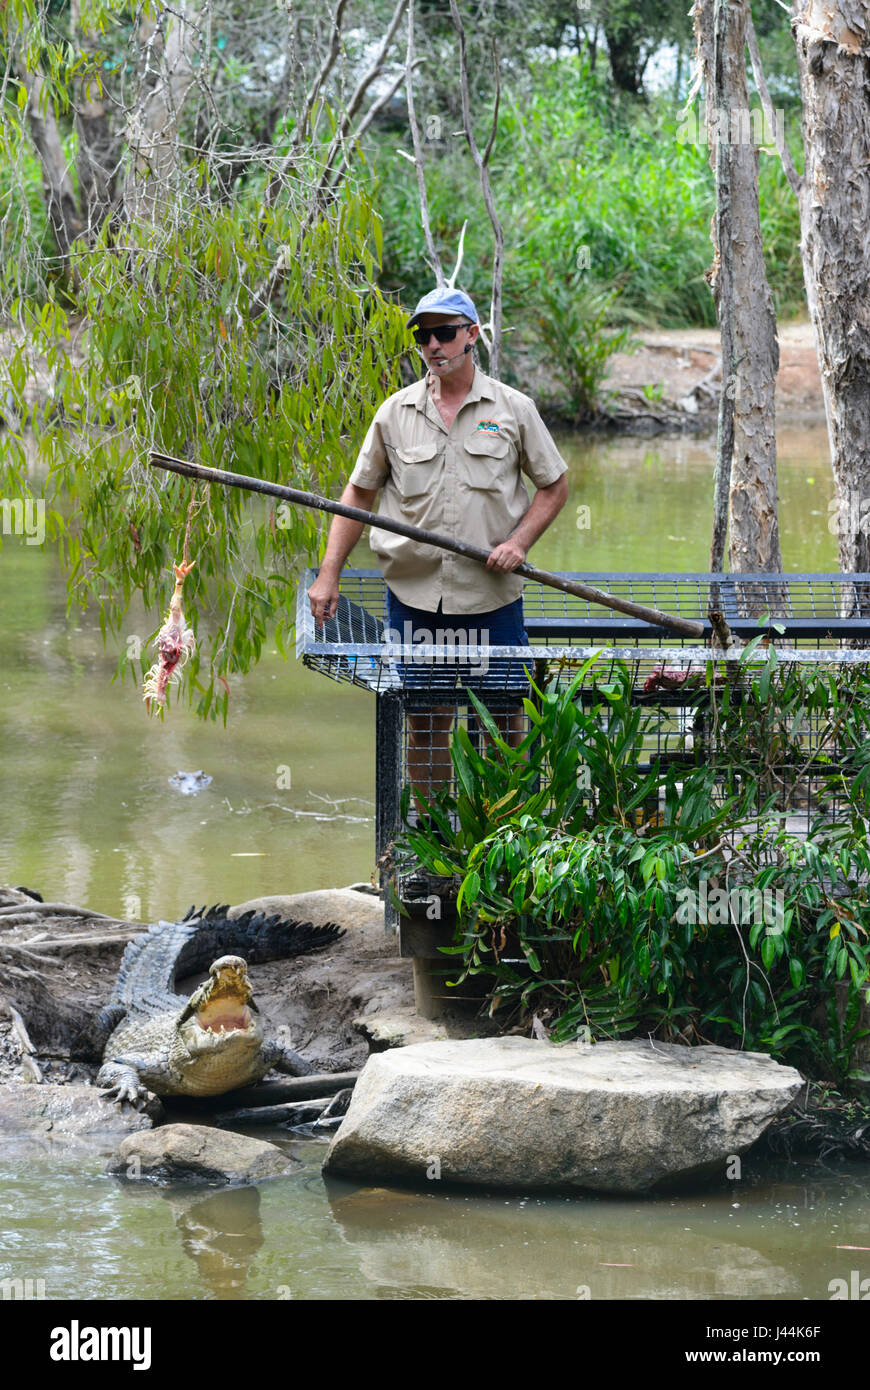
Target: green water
774	1234
87	815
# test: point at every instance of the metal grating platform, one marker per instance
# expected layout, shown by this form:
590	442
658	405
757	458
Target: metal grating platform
563	630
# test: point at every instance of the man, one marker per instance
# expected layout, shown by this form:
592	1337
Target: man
449	452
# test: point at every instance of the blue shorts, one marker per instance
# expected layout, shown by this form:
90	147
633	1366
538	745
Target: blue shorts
500	627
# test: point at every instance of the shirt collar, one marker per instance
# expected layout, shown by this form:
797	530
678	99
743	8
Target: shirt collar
481	390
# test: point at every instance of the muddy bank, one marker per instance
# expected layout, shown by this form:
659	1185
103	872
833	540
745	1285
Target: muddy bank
673	381
58	969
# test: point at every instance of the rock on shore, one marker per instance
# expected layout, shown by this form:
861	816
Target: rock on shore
51	1118
197	1153
621	1117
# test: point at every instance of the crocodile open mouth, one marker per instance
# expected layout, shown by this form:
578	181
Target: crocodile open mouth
224	1016
225	1001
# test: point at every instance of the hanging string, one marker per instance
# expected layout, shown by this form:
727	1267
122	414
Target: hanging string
195	505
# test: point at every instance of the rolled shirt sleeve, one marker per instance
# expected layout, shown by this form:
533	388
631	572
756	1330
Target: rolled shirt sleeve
540	459
371	468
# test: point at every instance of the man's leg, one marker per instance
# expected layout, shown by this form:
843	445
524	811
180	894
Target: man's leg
503	627
428	760
511	726
429	764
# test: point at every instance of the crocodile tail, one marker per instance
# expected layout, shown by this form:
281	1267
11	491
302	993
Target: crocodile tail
253	935
88	1044
148	966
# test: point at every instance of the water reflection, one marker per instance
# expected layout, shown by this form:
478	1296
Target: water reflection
467	1246
784	1231
221	1234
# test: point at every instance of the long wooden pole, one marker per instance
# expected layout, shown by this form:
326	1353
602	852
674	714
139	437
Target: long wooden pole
683	626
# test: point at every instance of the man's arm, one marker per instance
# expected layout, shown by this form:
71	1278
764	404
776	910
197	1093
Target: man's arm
343	536
546	506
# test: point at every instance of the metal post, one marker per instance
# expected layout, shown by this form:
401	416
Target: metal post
388	784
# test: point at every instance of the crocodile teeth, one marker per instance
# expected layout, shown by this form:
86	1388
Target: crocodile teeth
219	1018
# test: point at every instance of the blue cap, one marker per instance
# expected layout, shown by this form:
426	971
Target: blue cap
444	301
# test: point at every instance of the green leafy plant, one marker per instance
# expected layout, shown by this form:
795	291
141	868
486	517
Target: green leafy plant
644	896
654	392
572	325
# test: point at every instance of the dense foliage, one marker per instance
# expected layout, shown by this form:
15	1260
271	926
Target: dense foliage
604	889
228	313
591	188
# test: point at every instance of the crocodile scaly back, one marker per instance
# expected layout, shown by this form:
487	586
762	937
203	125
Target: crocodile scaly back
170	950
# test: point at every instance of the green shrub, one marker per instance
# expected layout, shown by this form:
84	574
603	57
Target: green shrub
616	901
572	325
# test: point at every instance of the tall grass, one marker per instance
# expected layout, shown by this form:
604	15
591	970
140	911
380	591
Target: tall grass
584	182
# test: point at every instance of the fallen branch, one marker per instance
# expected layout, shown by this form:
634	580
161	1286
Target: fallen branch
55	910
291	1089
19	1030
63	944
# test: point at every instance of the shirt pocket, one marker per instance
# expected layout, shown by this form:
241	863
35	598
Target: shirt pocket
483	462
416	469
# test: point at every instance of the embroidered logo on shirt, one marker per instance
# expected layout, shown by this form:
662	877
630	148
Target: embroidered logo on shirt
491	426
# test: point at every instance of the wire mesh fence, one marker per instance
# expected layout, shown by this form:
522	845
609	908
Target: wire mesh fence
698	704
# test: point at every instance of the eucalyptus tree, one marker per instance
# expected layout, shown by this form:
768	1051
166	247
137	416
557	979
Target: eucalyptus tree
207	285
746	465
833	52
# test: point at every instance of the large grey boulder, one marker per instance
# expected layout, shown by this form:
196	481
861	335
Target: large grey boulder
346	906
198	1153
513	1112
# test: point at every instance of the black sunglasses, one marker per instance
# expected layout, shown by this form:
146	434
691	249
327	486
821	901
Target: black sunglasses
445	333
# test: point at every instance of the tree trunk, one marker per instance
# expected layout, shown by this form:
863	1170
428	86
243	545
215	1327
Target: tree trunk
754	527
623	47
152	131
833	49
99	145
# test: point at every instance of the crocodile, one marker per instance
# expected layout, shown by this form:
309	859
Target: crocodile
154	1042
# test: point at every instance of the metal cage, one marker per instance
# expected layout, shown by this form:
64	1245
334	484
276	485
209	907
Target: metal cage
816	620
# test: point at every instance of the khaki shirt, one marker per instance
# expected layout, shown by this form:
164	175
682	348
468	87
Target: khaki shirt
465	482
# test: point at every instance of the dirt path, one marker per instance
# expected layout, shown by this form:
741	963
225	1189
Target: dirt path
674	379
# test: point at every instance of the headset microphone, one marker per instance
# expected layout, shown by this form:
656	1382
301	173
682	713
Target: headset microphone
468	347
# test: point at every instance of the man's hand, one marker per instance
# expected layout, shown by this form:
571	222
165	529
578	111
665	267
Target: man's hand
507	556
323	596
546	504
